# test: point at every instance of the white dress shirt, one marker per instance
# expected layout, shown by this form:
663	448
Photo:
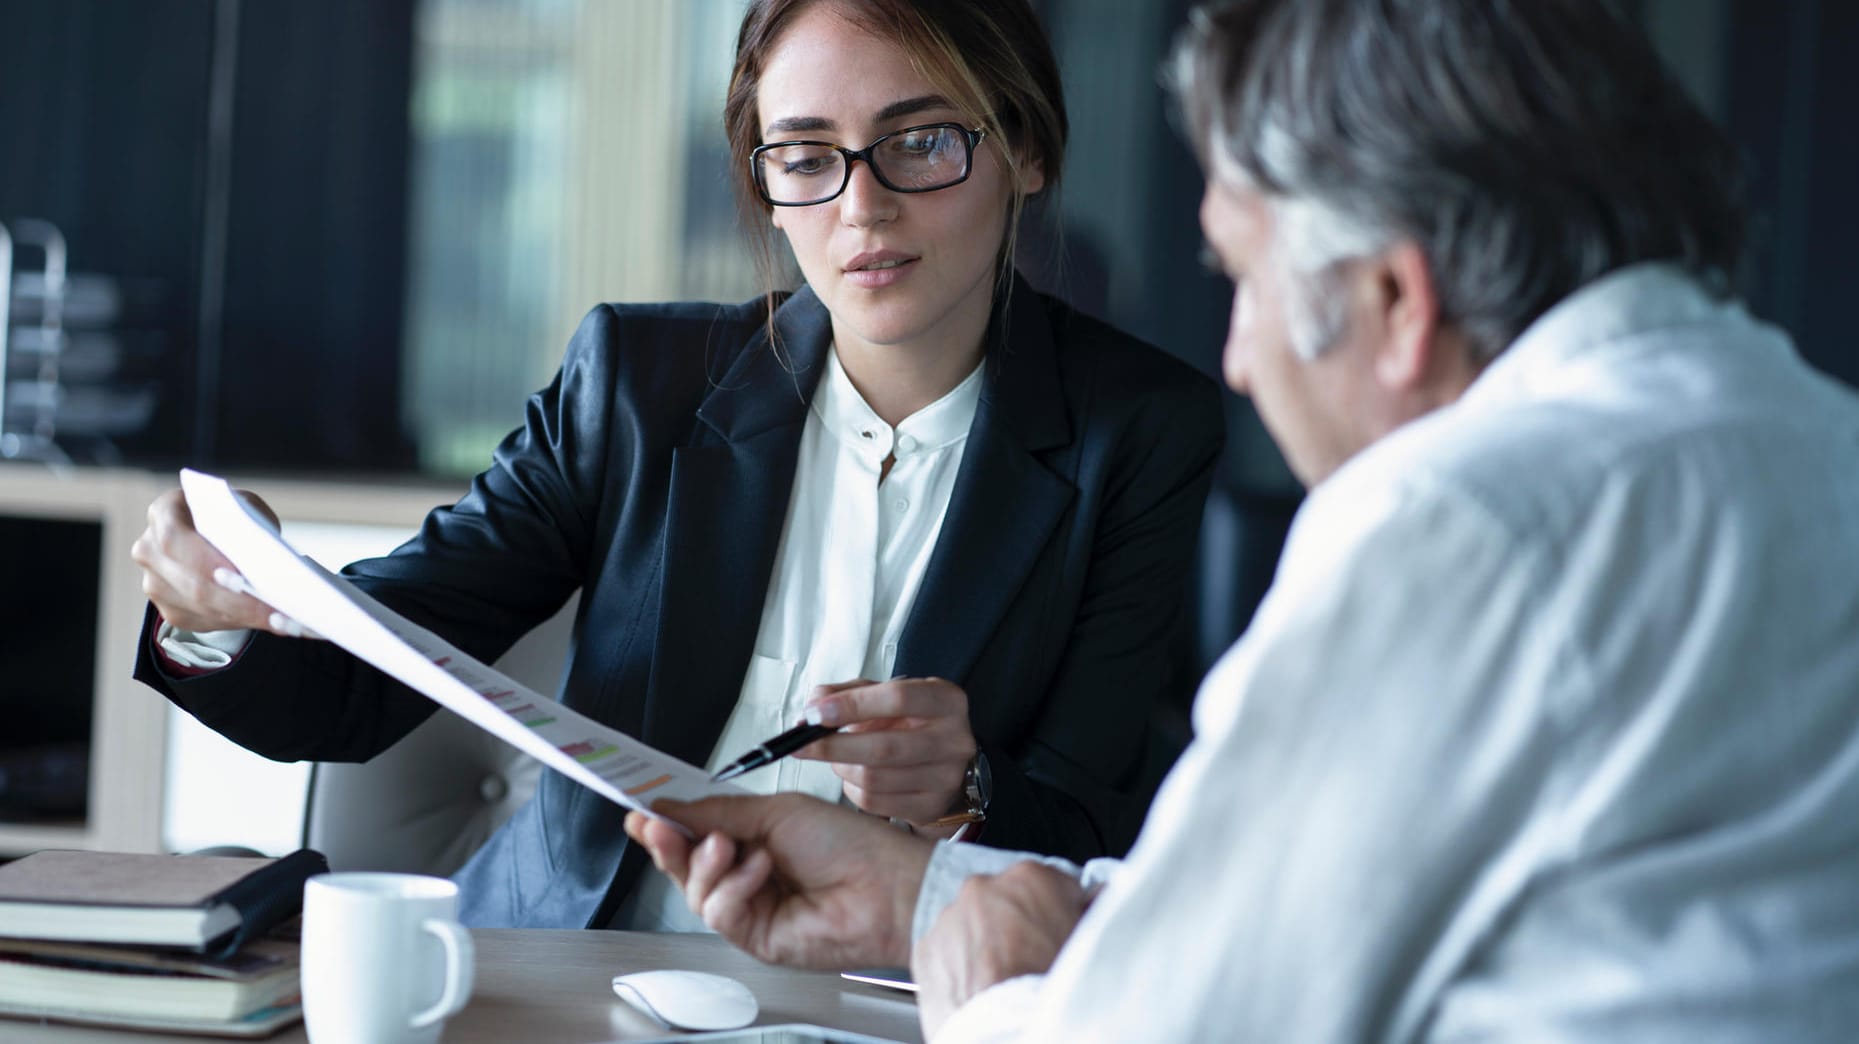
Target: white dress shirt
1548	729
852	555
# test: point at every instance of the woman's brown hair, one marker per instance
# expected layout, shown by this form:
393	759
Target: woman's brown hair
991	59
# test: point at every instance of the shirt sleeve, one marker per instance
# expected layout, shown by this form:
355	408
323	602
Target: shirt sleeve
954	862
1361	800
195	651
996	1015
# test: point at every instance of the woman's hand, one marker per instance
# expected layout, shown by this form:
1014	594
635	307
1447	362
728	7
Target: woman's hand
903	748
191	584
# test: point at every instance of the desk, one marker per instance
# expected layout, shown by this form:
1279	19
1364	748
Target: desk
544	987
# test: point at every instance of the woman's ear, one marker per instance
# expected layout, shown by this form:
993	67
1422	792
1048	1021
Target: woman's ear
1032	177
774	217
1026	173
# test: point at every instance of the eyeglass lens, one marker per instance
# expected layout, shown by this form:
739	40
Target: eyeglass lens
916	160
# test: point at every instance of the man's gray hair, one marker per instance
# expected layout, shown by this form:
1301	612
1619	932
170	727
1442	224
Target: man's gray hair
1527	146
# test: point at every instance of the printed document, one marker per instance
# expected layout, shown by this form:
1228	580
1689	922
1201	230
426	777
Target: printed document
605	760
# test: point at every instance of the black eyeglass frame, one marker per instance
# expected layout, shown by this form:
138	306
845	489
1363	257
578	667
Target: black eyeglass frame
971	139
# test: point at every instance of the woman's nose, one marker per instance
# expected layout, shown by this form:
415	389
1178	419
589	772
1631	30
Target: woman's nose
866	202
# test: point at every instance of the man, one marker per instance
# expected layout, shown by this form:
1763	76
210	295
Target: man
1547	727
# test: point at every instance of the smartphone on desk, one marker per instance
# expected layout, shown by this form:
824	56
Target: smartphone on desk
890	978
788	1033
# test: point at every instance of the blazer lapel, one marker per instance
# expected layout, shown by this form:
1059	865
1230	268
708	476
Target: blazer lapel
1005	504
727	504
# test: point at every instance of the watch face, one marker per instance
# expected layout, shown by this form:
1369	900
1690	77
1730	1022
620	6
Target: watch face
981	790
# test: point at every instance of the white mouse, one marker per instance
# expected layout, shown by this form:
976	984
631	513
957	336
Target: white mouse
689	999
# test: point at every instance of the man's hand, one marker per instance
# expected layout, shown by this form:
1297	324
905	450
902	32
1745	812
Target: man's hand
191	584
998	928
904	746
791	879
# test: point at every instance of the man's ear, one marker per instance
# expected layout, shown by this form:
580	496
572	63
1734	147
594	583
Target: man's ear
1409	302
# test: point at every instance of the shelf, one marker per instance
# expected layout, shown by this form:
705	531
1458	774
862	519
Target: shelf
127	721
131	777
17	839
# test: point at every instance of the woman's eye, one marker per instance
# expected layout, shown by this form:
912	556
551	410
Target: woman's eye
811	165
920	144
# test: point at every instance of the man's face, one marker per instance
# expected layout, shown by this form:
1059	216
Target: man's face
1322	411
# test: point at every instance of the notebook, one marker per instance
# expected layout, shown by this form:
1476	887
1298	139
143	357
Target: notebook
85	979
191	902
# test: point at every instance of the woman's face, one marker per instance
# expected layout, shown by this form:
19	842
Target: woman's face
826	79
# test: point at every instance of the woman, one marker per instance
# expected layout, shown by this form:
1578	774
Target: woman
914	498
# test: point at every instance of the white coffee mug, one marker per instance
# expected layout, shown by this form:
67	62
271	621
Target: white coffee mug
385	960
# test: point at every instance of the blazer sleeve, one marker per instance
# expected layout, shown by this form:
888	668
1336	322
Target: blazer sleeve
481	573
1072	786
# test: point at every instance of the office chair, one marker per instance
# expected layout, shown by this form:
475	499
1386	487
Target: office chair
428	802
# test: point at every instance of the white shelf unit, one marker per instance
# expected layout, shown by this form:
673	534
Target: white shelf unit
130	722
124	800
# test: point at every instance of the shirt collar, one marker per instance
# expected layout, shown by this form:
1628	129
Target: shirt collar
1618	306
852	421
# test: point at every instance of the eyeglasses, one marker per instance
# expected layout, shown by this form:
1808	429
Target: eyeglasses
915	159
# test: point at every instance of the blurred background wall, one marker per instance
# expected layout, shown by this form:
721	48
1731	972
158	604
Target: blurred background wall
352	235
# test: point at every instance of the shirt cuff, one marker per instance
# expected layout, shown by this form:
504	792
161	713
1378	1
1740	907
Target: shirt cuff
997	1013
194	652
954	862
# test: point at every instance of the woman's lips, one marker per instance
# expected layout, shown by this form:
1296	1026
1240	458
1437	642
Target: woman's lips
889	271
876	277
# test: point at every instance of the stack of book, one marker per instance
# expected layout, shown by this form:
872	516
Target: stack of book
198	944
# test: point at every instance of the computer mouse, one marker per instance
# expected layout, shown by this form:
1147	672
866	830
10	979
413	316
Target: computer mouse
689	999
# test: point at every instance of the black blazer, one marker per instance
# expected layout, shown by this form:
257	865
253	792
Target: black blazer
654	474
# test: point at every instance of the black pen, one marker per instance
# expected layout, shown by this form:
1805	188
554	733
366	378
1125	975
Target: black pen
773	750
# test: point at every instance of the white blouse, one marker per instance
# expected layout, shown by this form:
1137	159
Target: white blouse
852	555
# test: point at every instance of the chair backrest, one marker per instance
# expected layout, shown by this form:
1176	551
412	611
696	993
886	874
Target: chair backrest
424	805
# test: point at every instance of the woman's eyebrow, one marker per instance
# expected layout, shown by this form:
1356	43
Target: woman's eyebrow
912	106
791	124
907	107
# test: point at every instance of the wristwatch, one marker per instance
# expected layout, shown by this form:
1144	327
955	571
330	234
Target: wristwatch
977	791
978	787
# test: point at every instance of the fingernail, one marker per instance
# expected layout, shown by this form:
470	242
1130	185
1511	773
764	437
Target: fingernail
285	625
825	712
231	581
